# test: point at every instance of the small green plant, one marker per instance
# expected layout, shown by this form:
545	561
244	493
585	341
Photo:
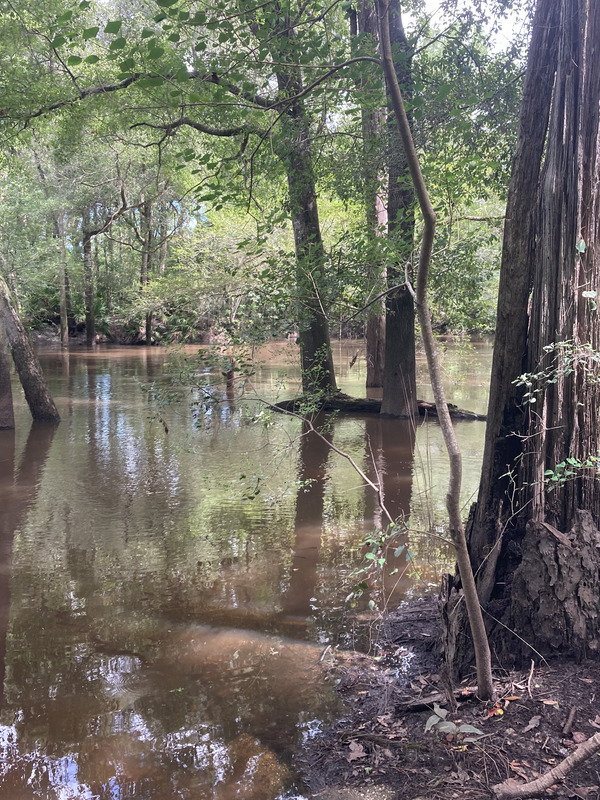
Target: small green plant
438	722
377	545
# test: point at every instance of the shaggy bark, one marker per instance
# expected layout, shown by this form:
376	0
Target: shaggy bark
547	296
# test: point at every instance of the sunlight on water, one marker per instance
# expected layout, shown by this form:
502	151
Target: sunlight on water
166	598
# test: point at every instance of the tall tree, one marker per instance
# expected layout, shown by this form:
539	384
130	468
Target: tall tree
533	531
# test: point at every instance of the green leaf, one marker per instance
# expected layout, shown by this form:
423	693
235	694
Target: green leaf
91	33
155	52
446	727
114	26
147	33
441	712
73	61
148	83
58	41
469	729
84	4
580	246
399	550
127	65
166	3
92	59
118	44
433	720
64	17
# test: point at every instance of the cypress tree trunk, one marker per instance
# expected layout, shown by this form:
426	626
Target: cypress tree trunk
399	379
534	530
28	367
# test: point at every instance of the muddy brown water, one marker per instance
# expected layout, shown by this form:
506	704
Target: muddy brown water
165	598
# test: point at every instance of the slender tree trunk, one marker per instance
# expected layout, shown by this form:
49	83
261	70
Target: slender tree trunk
315	345
373	127
399	379
7	415
147	243
535	579
485	685
62	278
89	287
27	364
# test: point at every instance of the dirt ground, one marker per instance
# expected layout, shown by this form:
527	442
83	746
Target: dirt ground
542	714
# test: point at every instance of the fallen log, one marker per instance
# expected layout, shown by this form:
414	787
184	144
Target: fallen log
363	405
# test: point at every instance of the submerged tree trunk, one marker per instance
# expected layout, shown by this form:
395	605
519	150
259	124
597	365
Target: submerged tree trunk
147	237
315	346
89	288
62	278
534	530
399	379
373	129
28	367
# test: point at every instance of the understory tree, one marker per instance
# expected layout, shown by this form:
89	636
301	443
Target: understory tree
533	534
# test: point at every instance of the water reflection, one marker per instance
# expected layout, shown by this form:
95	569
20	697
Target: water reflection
171	595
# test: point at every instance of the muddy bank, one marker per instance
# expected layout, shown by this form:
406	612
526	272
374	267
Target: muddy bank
541	716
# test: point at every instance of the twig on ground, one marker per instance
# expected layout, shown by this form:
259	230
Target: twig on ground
569	723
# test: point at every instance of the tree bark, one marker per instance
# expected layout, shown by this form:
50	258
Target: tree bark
485	687
548	282
373	129
315	346
62	278
28	367
399	378
147	239
89	287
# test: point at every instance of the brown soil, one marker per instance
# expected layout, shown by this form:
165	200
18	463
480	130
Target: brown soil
541	716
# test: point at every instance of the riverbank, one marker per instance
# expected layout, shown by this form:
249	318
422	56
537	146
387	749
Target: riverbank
542	714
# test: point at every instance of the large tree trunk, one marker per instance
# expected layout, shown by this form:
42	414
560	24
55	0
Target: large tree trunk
399	379
535	487
315	347
27	364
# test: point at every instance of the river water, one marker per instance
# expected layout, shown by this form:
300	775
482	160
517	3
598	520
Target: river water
166	597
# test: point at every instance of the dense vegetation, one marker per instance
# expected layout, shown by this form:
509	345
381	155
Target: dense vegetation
148	181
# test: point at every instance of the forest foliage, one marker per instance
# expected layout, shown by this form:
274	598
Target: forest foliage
158	132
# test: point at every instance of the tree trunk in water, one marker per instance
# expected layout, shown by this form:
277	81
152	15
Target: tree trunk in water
88	289
28	367
62	277
399	379
542	431
147	237
7	415
315	346
373	127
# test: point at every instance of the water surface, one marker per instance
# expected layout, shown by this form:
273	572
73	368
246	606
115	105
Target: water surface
165	598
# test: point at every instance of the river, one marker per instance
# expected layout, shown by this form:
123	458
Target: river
170	579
